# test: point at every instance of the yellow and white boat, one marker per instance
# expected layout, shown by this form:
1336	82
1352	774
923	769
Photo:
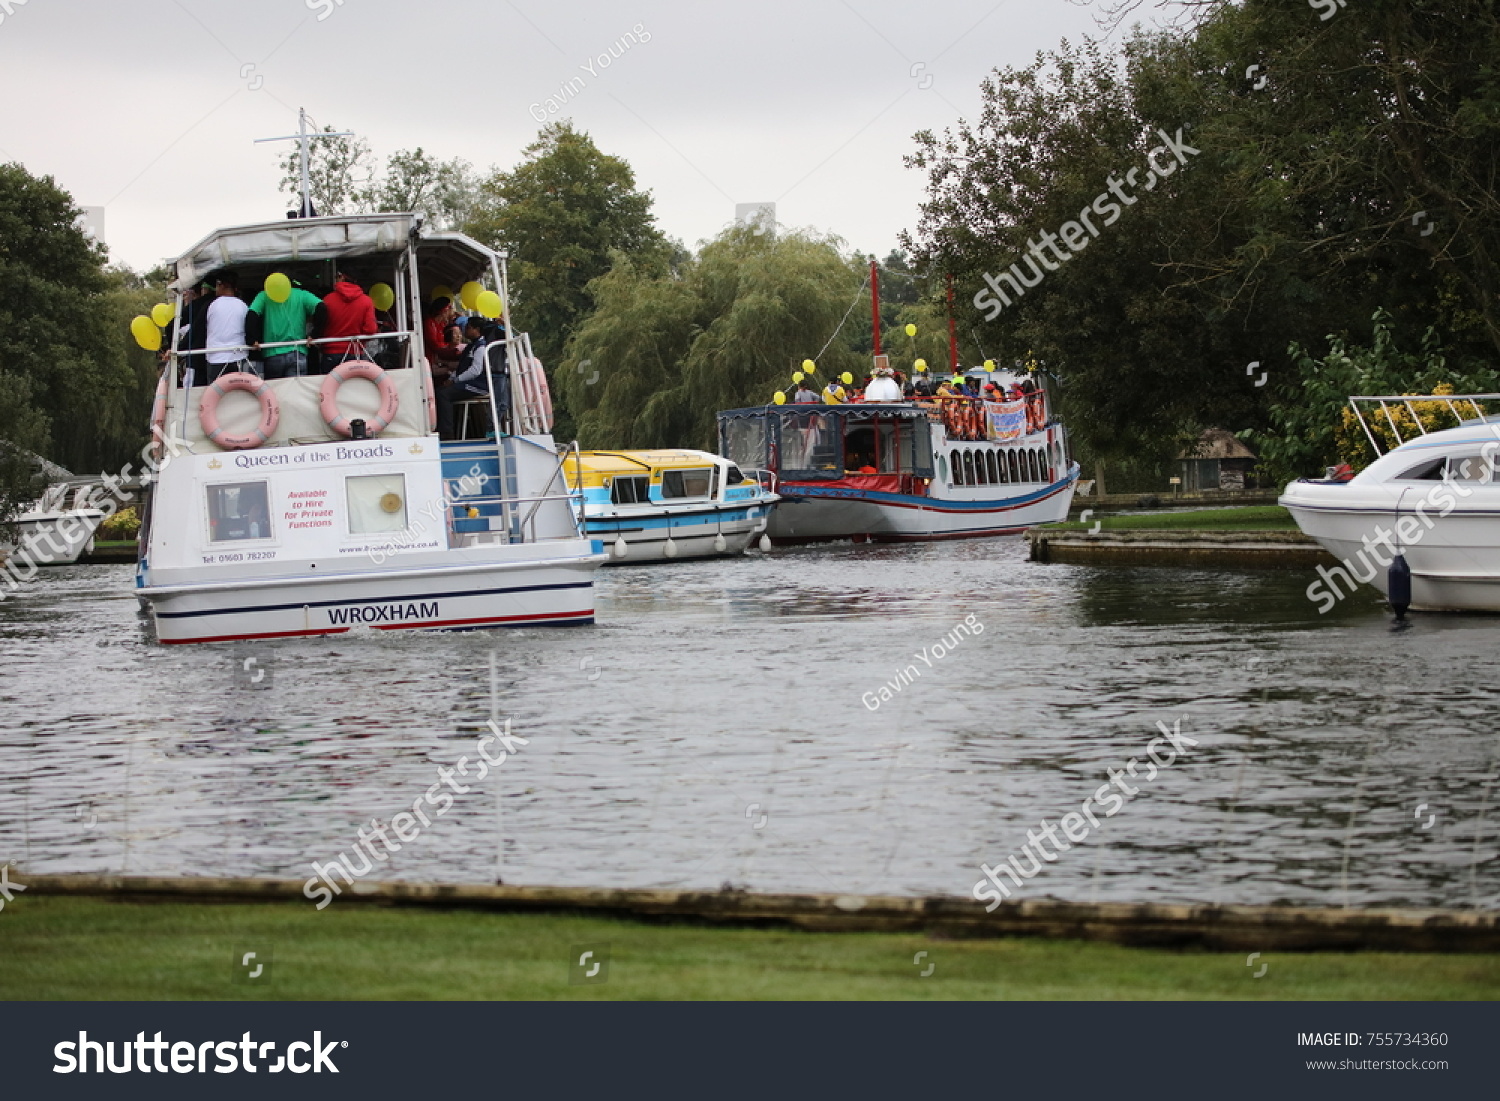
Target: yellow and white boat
652	505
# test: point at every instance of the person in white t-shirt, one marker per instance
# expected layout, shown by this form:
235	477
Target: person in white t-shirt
226	329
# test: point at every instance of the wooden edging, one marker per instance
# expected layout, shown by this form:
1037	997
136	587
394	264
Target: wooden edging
1139	547
1222	928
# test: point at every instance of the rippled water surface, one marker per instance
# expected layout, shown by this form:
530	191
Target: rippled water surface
715	727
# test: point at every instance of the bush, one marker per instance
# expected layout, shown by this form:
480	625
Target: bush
124	524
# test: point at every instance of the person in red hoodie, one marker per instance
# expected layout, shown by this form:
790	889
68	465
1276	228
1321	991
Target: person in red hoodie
350	313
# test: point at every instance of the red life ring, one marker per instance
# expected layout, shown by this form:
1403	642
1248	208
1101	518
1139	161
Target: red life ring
254	385
328	393
159	416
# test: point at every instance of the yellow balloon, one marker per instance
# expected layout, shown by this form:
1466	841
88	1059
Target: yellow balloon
798	376
847	377
383	296
488	304
442	290
469	294
146	334
162	314
920	365
911	330
780	398
989	365
278	287
809	366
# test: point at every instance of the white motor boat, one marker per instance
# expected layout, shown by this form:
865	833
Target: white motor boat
55	531
1429	505
649	506
315	505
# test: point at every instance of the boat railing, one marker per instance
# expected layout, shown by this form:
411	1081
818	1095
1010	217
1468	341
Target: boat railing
765	479
1407	424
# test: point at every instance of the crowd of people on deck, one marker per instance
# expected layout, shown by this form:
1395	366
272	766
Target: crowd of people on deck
887	384
311	333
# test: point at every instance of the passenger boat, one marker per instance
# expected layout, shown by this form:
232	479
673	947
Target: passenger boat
55	531
315	505
1431	498
653	505
955	468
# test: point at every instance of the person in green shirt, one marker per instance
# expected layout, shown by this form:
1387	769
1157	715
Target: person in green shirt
278	323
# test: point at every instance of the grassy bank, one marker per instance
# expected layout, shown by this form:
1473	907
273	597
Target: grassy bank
82	948
1254	518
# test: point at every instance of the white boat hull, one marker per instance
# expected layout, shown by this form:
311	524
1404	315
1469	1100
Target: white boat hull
54	538
1455	563
692	533
514	589
809	514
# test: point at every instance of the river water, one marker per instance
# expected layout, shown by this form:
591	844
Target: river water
715	728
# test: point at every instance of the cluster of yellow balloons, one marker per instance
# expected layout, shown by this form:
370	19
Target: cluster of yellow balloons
146	331
808	367
473	296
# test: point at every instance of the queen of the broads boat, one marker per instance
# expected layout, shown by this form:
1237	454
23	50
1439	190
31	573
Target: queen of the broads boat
313	505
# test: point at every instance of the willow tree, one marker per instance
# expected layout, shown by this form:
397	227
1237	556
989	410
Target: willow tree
661	354
1341	165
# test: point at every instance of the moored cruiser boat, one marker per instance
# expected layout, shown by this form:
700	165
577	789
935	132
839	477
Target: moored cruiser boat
952	468
55	531
312	505
1433	499
651	505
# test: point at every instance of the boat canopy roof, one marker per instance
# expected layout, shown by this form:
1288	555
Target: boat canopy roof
443	257
859	411
640	462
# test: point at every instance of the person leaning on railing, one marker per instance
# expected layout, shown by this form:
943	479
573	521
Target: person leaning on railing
349	313
226	329
284	323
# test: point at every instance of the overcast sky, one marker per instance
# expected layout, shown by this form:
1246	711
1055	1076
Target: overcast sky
150	108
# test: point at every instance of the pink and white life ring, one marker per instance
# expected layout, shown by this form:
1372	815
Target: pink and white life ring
255	386
535	390
159	416
328	394
431	398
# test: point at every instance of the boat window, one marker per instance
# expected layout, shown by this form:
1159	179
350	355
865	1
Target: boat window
958	468
744	441
239	511
989	461
734	477
886	453
686	483
1014	464
1004	470
630	490
1468	468
859	447
377	503
942	464
1428	470
811	447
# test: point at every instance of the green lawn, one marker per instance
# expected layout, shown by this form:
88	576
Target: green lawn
75	948
1253	518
